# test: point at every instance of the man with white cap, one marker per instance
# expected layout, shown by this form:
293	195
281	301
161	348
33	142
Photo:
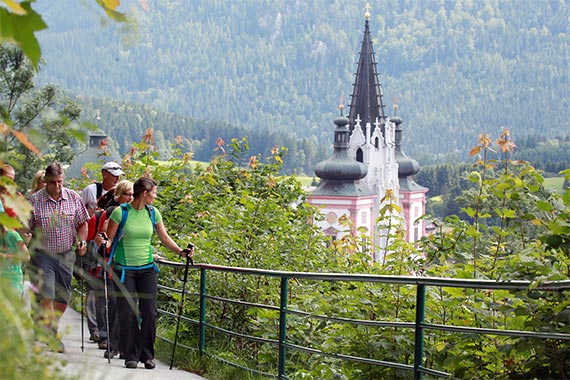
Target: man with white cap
111	172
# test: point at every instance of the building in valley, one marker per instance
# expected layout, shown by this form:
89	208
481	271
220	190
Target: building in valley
368	166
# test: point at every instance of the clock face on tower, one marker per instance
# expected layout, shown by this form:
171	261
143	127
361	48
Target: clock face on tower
331	218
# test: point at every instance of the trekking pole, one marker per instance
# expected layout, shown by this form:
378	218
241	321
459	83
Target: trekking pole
82	303
106	305
180	306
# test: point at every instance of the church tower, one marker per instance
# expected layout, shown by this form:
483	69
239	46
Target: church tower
340	194
372	139
412	196
368	162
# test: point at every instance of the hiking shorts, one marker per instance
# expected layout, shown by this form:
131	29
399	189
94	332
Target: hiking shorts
52	275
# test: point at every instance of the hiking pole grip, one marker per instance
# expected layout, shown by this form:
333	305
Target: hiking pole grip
181	305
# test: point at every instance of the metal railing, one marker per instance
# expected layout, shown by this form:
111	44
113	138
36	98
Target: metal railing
419	326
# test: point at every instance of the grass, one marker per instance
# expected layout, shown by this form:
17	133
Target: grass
554	183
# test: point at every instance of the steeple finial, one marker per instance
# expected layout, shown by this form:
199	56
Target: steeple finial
396	100
341	106
367	12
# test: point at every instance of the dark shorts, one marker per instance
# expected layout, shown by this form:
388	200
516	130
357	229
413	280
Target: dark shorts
52	275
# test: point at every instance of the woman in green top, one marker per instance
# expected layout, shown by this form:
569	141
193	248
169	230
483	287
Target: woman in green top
133	261
13	251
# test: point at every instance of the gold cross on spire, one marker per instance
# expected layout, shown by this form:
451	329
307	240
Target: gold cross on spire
367	9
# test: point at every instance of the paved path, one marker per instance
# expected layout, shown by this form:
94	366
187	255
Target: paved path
90	363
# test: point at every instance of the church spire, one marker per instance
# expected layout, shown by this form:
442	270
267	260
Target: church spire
366	103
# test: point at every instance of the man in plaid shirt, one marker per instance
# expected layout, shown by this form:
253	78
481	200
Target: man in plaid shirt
59	217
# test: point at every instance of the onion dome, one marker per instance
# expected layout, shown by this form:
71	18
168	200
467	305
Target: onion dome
341	167
407	167
340	172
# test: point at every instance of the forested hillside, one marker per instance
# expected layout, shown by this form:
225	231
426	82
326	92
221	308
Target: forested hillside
456	67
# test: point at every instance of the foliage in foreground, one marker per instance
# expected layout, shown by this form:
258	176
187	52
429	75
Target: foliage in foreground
24	346
238	212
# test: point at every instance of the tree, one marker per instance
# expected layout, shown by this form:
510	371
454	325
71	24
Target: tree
34	120
19	23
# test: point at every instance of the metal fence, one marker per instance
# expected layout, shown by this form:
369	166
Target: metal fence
282	345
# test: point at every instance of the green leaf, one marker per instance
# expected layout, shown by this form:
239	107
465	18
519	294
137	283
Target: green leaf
20	29
109	7
506	213
469	211
9	222
544	206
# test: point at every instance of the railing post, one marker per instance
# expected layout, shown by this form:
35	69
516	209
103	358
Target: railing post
283	326
419	331
202	347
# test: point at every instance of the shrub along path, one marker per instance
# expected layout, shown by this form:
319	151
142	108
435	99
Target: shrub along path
90	363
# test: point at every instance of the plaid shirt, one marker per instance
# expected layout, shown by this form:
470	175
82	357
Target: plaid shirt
58	220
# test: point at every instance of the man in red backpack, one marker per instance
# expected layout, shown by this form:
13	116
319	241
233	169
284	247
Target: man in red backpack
110	172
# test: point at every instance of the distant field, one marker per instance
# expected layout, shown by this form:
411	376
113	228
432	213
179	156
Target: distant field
305	181
554	183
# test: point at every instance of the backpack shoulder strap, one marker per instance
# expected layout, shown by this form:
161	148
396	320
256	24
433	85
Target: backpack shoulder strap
150	210
124	216
119	234
99	189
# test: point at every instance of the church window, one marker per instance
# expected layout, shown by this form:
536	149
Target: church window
359	155
364	218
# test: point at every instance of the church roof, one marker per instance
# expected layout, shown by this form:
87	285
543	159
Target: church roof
340	173
366	101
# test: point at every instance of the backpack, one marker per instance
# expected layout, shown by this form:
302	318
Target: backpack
119	236
88	263
105	200
94	253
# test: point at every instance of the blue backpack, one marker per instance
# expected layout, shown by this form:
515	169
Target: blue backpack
119	235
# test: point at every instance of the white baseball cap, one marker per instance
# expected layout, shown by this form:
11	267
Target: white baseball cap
113	168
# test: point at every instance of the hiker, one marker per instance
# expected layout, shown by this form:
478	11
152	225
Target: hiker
110	173
97	236
13	251
133	263
7	170
58	219
38	182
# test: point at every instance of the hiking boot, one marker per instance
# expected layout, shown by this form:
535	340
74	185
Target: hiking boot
110	354
131	364
102	344
94	337
149	364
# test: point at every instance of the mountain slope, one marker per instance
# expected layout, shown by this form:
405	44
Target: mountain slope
457	67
